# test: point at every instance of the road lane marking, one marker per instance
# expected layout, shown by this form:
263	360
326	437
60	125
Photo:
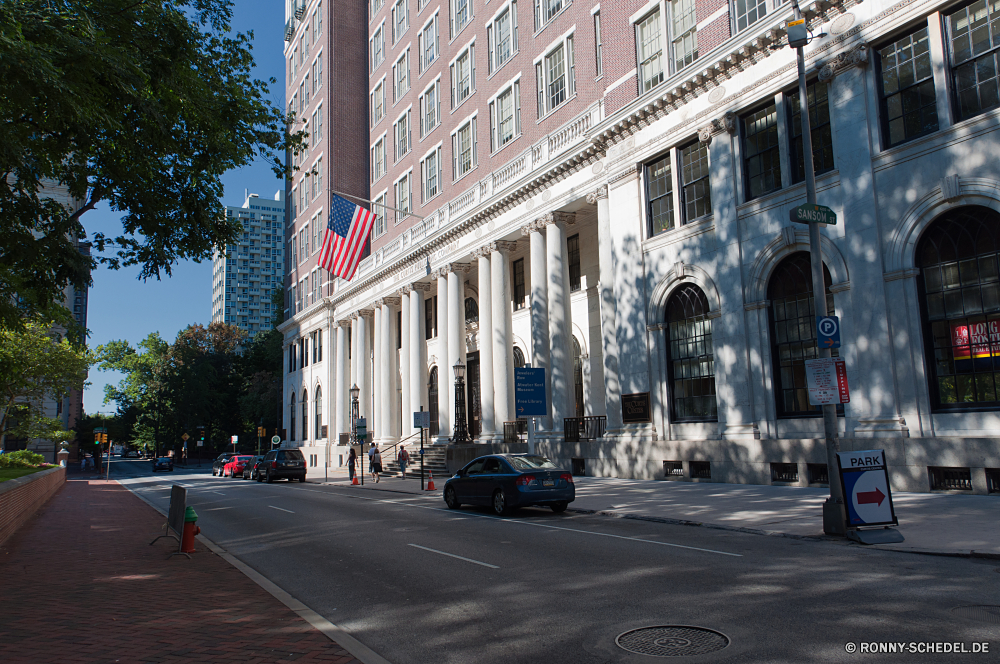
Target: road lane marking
452	555
216	509
281	508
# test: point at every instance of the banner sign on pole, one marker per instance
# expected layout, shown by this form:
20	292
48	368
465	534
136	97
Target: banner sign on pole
866	488
828	332
826	379
529	393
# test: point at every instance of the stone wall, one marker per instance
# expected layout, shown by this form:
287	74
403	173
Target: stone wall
20	498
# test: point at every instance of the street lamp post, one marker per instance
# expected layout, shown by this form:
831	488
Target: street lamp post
461	434
355	392
833	508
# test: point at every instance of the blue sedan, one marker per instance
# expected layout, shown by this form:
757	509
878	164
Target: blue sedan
163	463
507	481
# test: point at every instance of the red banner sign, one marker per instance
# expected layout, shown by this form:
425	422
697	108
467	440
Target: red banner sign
975	340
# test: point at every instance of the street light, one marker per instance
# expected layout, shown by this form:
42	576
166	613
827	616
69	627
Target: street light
461	429
355	392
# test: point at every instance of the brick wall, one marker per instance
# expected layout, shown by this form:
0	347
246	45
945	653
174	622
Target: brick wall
714	34
21	498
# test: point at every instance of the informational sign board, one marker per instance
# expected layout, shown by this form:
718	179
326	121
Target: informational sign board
361	429
529	393
234	439
635	408
275	440
804	214
422	418
201	443
826	379
828	332
866	488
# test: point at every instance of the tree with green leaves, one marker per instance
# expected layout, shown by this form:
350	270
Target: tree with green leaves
37	363
141	105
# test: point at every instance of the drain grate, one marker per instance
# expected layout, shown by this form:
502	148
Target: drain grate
983	613
672	641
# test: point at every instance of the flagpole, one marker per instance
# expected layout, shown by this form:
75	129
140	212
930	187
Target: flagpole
365	200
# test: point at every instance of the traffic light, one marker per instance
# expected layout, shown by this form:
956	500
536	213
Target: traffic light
201	433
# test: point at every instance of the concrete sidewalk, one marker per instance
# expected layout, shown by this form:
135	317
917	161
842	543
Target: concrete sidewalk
82	584
933	523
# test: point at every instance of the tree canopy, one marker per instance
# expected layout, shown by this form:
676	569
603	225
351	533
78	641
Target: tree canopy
141	104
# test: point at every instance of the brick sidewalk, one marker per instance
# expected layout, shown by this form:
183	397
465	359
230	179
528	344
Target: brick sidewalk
80	583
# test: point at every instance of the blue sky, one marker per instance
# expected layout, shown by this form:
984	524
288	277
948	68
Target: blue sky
121	306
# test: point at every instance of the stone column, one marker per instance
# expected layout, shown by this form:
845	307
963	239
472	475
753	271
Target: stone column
560	319
503	349
343	393
418	350
609	343
446	379
378	376
364	378
486	333
406	417
390	371
540	356
456	326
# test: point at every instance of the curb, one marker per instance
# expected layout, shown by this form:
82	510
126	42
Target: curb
338	635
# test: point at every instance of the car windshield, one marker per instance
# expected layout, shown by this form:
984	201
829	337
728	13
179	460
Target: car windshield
164	459
243	458
530	462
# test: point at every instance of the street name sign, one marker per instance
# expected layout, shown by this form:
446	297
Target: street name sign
826	380
828	332
529	393
866	488
808	212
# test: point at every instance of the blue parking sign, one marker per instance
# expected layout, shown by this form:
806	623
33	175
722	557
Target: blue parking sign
828	332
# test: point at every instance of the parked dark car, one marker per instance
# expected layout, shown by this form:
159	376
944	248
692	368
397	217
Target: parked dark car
220	462
282	464
163	463
250	469
508	481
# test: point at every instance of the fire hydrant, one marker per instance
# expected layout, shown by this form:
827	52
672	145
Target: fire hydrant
190	530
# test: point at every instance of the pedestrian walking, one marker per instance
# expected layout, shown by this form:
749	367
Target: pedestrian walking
376	464
371	460
404	460
352	458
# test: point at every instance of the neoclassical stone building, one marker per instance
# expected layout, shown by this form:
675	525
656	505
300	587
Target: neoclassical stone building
641	250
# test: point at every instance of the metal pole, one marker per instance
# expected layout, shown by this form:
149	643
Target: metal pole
833	508
421	453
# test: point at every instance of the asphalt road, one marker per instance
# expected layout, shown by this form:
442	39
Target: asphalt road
417	582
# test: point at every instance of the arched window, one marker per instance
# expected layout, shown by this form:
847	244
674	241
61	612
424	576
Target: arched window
793	333
691	361
305	415
318	411
578	377
432	400
471	311
960	298
291	419
518	358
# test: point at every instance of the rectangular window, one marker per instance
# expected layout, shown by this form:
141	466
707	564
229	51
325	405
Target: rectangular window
378	159
597	42
909	107
501	34
649	52
461	13
400	19
430	108
684	31
317	73
377	47
427	43
505	117
401	76
555	73
308	241
749	12
378	102
819	130
660	196
430	174
401	131
378	225
464	149
761	161
373	7
974	38
517	275
463	76
318	22
696	195
573	251
317	238
317	124
319	345
430	317
546	10
403	189
303	236
318	178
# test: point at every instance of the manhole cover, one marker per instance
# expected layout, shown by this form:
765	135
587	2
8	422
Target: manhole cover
672	641
983	613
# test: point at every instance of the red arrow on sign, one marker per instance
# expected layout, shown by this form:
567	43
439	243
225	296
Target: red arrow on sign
876	496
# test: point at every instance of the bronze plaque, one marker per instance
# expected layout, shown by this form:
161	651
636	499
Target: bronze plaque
635	408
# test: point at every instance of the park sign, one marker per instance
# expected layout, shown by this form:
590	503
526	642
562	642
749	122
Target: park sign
809	212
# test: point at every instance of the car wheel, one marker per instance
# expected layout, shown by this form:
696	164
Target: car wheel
559	507
500	503
303	479
213	472
259	478
451	499
269	479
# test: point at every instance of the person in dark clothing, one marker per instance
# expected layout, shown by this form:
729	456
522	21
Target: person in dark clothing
352	459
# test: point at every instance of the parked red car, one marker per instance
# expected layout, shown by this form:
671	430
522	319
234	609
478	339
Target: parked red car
234	467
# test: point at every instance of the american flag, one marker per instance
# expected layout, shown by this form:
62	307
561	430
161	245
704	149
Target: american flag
347	231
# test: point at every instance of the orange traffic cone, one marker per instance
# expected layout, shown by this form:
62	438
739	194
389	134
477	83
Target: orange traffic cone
354	482
430	482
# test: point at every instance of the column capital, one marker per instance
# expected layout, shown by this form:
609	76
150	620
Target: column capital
365	313
345	322
599	194
454	267
420	286
405	290
531	227
556	217
502	246
481	252
390	301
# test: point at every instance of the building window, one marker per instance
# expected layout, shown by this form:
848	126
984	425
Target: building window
696	191
305	415
461	13
597	42
317	179
401	131
546	10
378	226
378	102
501	36
819	130
373	7
556	77
960	298
463	76
649	52
400	19
909	107
430	107
378	47
291	419
578	379
430	174
660	196
319	345
684	32
518	358
573	250
318	22
691	363
378	158
317	73
505	117
761	161
432	401
471	310
793	332
403	189
518	274
463	149
749	12
427	43
318	412
430	318
317	123
401	76
973	57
